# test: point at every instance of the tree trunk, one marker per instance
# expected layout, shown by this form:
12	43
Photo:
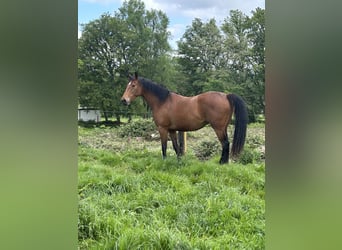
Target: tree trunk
105	115
104	112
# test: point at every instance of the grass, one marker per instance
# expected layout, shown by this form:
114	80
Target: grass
129	198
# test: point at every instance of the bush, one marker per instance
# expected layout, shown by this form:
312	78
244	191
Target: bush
206	149
260	118
254	150
138	128
249	155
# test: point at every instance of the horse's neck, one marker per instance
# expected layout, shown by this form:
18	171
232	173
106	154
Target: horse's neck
151	100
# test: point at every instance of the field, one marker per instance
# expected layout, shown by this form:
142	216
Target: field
129	198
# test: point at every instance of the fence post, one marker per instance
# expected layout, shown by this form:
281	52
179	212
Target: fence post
182	141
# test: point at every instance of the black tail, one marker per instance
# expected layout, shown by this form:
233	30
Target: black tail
241	120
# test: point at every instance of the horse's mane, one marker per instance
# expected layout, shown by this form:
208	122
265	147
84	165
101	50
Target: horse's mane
159	91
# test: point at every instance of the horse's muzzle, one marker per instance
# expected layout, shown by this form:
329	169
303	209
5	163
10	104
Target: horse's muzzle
123	101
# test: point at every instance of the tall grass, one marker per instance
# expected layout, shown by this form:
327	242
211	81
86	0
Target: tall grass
132	199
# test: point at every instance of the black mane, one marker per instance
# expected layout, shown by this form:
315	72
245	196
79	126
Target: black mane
159	91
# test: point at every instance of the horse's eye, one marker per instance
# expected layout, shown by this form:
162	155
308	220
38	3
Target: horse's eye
133	85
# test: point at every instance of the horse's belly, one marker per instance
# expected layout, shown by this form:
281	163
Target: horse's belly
188	125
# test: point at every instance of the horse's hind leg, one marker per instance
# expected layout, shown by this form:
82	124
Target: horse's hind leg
181	139
223	137
225	150
173	136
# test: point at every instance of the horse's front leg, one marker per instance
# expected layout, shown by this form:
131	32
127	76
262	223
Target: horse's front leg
163	138
173	135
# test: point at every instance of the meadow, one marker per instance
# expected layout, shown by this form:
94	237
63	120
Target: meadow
129	198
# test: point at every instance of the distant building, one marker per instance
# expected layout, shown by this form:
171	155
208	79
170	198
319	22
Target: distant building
89	114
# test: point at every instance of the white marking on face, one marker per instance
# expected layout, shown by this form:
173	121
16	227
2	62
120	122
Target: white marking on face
130	83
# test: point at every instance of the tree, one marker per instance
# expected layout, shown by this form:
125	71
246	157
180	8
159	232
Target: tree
244	47
146	41
98	52
256	37
199	53
236	51
111	46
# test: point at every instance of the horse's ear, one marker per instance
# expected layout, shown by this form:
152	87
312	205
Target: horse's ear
136	75
130	77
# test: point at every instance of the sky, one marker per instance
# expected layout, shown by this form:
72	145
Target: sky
180	12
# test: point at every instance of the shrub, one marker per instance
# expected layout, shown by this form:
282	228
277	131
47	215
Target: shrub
138	128
248	155
260	118
255	140
206	149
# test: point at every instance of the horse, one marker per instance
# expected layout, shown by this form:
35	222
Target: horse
173	112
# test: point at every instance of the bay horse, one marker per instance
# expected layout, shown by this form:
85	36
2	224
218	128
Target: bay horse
172	112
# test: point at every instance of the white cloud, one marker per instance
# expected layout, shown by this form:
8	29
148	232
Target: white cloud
203	9
161	5
180	10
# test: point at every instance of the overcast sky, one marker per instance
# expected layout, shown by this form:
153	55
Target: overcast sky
180	12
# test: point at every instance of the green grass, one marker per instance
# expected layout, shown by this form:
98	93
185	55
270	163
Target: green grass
129	198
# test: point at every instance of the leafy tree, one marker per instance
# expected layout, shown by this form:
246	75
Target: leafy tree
199	53
245	46
256	37
146	41
111	46
236	45
99	55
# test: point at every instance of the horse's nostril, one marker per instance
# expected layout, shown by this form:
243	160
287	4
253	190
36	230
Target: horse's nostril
124	101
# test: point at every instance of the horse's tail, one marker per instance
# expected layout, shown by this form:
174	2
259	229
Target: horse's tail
241	120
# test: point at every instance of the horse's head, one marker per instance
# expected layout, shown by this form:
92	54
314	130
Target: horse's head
133	90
